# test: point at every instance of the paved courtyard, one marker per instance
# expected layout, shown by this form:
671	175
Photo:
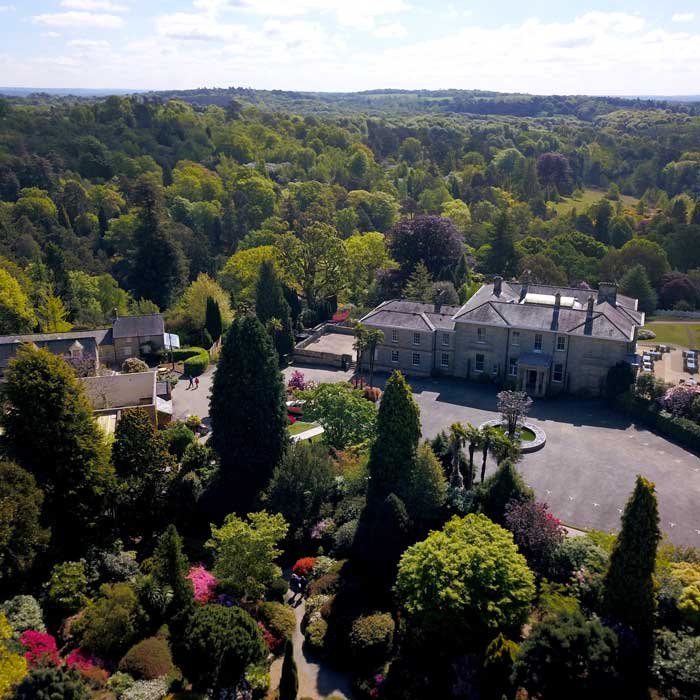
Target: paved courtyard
586	470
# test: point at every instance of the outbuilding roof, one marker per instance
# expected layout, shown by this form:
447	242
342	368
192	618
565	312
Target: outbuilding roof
138	326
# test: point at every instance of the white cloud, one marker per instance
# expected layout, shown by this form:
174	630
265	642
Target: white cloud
682	17
96	5
7	8
80	19
393	30
88	44
51	35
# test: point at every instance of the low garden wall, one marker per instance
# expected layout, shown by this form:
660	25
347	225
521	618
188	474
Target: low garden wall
525	447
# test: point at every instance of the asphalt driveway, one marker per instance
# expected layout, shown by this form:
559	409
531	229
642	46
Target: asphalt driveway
586	470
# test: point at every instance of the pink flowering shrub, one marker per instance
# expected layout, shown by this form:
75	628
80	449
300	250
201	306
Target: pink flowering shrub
203	583
535	530
321	528
678	399
40	648
297	382
273	642
83	661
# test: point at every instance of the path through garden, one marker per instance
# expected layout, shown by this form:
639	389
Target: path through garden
316	680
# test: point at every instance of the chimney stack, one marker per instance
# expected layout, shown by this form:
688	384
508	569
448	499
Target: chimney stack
607	291
524	285
497	282
437	305
555	315
588	325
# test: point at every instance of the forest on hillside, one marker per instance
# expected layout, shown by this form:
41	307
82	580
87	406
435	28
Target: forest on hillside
126	202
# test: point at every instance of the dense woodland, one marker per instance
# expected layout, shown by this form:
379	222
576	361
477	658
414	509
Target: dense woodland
148	565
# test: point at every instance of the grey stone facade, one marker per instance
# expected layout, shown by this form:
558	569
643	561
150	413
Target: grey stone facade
544	340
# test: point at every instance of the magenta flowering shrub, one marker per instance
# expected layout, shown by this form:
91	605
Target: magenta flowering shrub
678	399
40	648
297	381
322	528
535	530
204	584
83	660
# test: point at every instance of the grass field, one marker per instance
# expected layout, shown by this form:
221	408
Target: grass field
685	335
590	196
300	427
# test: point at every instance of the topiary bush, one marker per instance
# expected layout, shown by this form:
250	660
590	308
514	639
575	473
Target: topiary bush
23	613
278	618
195	360
148	659
371	638
49	683
277	590
315	635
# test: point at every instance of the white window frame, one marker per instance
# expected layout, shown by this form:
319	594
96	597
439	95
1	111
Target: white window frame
513	367
395	356
515	338
476	362
394	336
561	373
480	335
445	338
416	338
561	339
537	346
415	360
445	359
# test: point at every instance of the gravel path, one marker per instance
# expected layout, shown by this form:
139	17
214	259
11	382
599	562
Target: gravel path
316	680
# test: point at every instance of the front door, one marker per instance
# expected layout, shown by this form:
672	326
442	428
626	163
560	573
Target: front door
531	380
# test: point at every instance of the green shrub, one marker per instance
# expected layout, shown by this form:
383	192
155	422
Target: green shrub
314	604
371	638
646	334
195	360
23	613
328	583
315	634
278	618
148	659
119	682
277	590
344	538
258	677
321	567
178	437
51	682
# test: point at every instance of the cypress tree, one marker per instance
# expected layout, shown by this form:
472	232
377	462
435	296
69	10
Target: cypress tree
143	465
629	583
398	432
159	270
503	258
695	216
271	304
503	486
212	320
248	412
50	431
636	284
289	681
419	286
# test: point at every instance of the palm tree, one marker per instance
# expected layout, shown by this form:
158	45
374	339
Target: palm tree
374	337
360	346
504	449
473	437
487	436
456	440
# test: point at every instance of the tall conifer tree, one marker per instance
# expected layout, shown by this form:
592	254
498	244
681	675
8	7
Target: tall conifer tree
248	412
271	305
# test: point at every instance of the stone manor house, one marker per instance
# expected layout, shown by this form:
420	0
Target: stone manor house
541	339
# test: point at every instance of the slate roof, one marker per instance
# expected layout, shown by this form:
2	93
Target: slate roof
56	343
411	315
138	326
506	310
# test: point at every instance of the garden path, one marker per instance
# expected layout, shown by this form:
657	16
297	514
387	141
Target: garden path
316	680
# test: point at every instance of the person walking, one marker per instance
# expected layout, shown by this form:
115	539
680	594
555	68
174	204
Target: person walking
196	382
189	386
294	584
303	585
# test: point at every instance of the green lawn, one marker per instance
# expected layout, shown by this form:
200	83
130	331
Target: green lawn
526	435
300	427
590	196
686	335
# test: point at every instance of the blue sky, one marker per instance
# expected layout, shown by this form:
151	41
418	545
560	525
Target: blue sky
538	46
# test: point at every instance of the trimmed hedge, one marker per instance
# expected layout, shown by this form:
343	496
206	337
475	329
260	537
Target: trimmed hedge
278	618
194	359
148	659
685	432
372	637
